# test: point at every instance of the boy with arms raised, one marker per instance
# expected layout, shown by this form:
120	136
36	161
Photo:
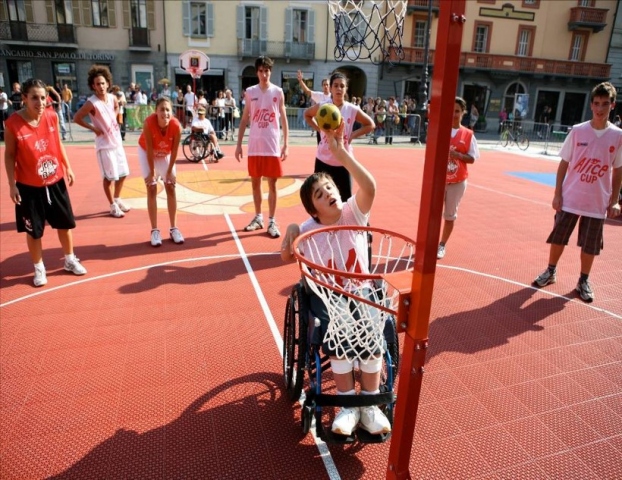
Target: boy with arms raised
322	201
586	190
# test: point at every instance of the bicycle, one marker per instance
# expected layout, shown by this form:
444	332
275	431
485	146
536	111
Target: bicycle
518	137
198	147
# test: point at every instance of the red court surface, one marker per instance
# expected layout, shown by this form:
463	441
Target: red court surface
166	363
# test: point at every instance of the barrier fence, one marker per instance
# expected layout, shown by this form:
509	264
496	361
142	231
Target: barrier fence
544	138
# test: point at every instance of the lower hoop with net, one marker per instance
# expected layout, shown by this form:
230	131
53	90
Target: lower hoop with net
367	29
356	288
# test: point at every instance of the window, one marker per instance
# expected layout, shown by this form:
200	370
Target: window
198	19
139	13
100	12
300	26
251	22
419	34
17	12
531	3
524	47
586	3
578	46
64	15
481	39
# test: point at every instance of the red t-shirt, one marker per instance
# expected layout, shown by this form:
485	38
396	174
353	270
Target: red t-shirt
162	144
456	169
38	156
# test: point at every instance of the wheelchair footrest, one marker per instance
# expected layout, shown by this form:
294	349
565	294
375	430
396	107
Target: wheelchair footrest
324	400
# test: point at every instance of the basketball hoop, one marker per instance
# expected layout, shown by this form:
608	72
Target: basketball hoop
367	29
360	287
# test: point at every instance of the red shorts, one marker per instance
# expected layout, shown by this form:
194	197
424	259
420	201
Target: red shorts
262	166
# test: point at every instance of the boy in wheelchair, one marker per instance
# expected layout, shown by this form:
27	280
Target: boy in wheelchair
201	125
322	201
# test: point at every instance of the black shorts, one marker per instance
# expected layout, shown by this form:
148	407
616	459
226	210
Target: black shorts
340	176
590	237
39	204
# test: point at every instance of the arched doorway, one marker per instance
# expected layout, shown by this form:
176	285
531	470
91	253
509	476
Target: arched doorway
249	77
357	80
509	98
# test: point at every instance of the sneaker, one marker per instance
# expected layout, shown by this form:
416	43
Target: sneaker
273	230
40	277
440	253
585	291
176	236
255	224
374	421
156	238
74	266
219	155
115	211
122	205
545	278
346	421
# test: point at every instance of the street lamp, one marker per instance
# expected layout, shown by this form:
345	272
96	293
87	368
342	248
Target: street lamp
423	86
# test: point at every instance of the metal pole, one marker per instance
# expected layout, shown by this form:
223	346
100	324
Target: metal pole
423	85
448	43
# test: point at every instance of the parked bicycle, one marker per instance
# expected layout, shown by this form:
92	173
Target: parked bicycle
515	135
197	147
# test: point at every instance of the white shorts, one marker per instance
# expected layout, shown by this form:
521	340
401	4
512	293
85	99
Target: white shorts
160	164
113	163
453	194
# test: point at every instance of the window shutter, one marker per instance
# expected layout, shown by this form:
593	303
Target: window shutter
311	25
289	19
240	21
87	20
49	11
126	15
151	22
210	19
75	8
263	23
30	16
3	12
112	15
185	18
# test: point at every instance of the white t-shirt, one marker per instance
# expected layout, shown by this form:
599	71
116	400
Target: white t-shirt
321	98
265	134
190	99
353	247
348	113
4	101
205	124
105	119
591	155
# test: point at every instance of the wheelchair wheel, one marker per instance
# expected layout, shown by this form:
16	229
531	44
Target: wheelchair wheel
194	148
295	347
209	152
306	416
393	347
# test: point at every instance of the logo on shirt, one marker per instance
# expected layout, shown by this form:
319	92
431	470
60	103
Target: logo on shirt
47	167
263	118
612	149
274	100
41	145
590	169
24	137
581	144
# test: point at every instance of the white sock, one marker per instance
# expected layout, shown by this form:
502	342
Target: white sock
116	199
259	217
39	266
365	392
70	258
349	392
271	220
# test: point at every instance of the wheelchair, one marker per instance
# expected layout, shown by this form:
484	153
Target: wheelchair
301	355
198	147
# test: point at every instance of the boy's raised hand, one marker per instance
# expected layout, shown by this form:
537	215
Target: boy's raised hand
334	138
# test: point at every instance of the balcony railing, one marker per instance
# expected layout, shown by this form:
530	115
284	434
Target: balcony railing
588	17
139	37
422	6
512	63
248	47
22	33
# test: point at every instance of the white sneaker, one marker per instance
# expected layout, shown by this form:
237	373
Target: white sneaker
176	235
374	421
115	211
440	252
122	205
156	238
273	230
40	277
346	421
74	266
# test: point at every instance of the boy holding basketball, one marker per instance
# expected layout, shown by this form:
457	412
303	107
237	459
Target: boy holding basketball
322	201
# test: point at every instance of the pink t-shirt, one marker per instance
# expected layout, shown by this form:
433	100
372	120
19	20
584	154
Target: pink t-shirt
348	113
591	155
105	119
265	132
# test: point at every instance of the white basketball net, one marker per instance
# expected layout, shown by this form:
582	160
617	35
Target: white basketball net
367	29
356	296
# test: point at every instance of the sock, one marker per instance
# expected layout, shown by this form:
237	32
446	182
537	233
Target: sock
39	266
271	219
442	244
583	277
552	268
70	258
375	392
349	392
115	199
259	217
